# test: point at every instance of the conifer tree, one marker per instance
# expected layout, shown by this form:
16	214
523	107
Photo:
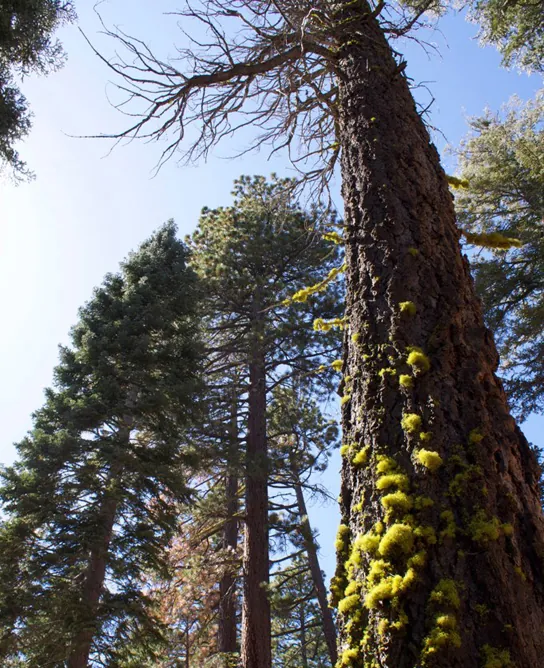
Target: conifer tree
298	638
500	205
444	520
257	259
26	46
91	502
301	441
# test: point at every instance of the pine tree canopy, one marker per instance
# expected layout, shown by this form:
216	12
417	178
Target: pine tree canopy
26	45
99	475
502	161
516	28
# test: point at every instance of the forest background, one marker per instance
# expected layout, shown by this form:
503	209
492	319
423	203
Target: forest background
87	207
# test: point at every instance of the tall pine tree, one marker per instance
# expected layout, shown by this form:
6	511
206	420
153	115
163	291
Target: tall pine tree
446	517
257	259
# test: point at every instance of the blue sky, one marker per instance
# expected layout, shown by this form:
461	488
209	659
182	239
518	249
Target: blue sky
88	207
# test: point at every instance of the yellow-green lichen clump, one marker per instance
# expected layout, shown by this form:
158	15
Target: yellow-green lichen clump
411	423
407	308
429	459
417	359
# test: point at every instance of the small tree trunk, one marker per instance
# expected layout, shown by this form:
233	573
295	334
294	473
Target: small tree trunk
256	648
227	627
303	640
310	546
443	557
96	573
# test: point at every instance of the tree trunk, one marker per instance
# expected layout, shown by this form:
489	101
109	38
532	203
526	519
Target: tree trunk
303	640
227	586
256	649
450	569
329	629
96	573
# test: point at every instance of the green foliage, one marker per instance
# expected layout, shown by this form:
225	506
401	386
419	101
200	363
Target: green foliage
100	474
516	28
298	637
503	160
26	46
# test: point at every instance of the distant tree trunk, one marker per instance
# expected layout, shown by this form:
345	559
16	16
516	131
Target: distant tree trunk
303	640
454	575
329	629
96	572
227	630
256	649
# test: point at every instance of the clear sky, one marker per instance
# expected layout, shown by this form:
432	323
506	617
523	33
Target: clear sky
88	207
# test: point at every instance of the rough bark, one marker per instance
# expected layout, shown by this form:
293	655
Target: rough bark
227	627
403	246
96	573
256	649
310	547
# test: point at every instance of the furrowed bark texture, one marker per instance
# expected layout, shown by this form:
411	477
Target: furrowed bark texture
256	649
476	588
310	546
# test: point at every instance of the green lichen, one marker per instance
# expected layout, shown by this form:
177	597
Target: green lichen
494	240
418	360
349	656
456	182
398	539
407	308
348	603
496	658
448	518
445	594
426	533
429	459
411	423
413	251
356	337
425	436
387	371
418	560
361	457
342	538
337	365
396	502
406	381
444	599
443	634
482	609
344	400
385	464
399	480
484	529
475	436
368	542
422	502
460	482
344	450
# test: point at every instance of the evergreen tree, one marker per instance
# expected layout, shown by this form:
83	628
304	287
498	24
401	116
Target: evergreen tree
257	259
516	28
26	46
444	520
301	441
500	204
90	503
297	628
